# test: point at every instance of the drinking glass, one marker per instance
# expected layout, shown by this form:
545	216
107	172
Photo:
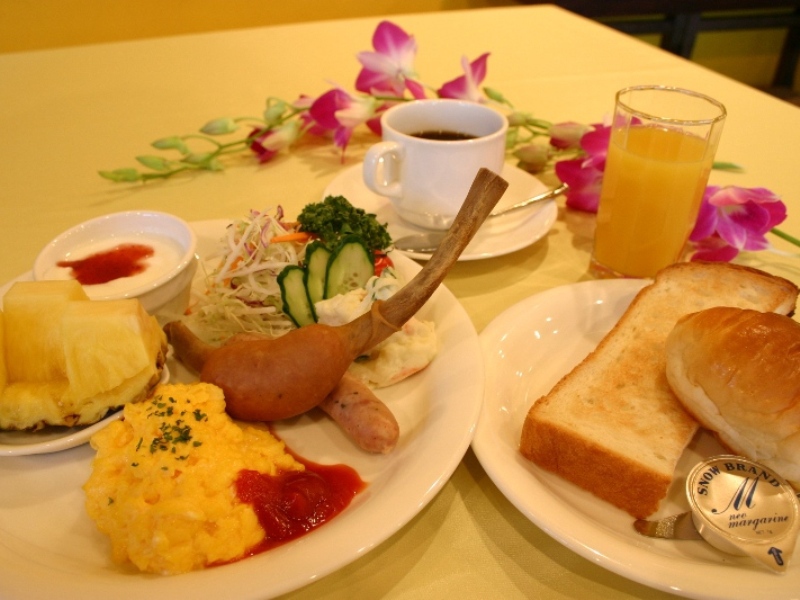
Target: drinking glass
662	146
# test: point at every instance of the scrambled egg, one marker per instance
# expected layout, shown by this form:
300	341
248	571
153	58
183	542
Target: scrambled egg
162	484
400	355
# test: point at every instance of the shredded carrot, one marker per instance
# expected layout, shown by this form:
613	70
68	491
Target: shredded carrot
227	281
297	236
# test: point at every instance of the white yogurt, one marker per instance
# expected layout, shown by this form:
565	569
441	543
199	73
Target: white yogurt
166	257
163	285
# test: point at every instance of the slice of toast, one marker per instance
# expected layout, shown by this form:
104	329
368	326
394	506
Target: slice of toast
612	425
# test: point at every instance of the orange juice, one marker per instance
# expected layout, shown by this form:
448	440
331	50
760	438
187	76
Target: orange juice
652	187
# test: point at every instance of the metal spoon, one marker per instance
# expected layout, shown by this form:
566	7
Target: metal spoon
428	242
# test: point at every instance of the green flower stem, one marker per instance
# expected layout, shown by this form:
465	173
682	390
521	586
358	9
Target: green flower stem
785	236
393	98
258	120
205	138
166	174
535	132
540	124
228	147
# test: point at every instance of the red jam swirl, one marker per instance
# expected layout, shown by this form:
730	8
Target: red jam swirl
293	503
124	260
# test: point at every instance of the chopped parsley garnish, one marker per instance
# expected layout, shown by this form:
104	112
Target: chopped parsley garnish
170	434
334	218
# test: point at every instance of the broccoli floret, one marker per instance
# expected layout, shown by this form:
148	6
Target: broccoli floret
335	217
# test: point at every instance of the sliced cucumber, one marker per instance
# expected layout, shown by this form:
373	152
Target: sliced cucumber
317	256
294	294
349	267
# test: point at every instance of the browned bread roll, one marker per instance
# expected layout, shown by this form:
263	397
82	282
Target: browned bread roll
737	372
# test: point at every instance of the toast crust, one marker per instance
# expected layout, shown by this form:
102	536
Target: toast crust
612	425
594	468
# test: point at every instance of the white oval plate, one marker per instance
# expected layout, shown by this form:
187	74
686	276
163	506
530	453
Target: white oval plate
498	236
49	548
527	349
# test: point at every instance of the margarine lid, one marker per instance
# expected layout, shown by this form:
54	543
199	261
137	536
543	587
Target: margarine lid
742	507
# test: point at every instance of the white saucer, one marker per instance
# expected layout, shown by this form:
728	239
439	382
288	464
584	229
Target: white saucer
498	236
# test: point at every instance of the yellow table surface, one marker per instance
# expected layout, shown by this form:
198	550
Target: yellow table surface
65	114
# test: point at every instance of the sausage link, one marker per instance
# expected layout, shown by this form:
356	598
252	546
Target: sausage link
362	415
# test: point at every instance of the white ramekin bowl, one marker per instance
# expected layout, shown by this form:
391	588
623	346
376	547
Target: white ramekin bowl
164	285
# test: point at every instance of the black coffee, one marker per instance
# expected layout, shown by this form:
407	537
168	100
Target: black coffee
442	135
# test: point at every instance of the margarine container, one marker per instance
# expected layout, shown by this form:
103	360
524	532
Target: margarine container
742	507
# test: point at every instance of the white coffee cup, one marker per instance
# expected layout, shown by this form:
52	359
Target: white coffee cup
428	179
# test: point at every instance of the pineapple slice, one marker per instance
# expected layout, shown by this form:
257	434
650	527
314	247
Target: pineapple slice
69	360
26	405
85	411
31	406
107	342
33	343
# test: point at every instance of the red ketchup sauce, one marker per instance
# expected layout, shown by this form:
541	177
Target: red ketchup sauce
123	261
293	503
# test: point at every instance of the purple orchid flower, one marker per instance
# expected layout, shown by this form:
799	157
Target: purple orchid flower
279	132
338	112
309	125
732	219
467	87
258	144
390	69
269	143
584	175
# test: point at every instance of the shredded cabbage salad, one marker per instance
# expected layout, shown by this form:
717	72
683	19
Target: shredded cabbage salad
242	292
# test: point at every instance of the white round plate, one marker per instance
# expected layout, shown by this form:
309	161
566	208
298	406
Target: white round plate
50	439
498	235
49	548
527	349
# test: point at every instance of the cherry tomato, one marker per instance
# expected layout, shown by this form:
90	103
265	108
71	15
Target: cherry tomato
382	261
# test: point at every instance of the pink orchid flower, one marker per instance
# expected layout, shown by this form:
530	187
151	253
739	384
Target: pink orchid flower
391	67
584	175
257	140
269	143
732	219
467	87
304	103
338	112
